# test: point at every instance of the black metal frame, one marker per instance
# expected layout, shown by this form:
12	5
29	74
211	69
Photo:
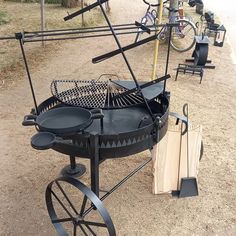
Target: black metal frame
29	37
92	147
189	69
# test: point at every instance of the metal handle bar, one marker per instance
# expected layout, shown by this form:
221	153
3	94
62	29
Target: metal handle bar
143	86
143	27
83	10
154	5
118	51
130	46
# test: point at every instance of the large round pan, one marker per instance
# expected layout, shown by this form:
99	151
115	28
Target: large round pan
63	120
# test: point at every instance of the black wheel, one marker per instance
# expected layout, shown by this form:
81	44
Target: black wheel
63	196
183	36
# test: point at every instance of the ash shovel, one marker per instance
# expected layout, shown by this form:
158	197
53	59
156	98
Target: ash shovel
188	185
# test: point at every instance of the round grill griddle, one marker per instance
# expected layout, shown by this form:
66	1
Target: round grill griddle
62	120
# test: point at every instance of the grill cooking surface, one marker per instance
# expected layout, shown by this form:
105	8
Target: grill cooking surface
89	94
122	120
101	94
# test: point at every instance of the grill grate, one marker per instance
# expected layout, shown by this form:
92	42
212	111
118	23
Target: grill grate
93	94
80	93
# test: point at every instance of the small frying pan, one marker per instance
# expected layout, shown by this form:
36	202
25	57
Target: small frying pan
64	120
46	140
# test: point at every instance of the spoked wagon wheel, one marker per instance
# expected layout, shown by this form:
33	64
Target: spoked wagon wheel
75	210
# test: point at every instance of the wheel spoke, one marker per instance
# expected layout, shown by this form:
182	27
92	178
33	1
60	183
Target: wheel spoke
75	230
91	231
60	202
83	205
188	30
84	222
63	192
81	227
61	220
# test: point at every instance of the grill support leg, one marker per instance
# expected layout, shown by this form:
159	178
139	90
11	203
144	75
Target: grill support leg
94	164
73	169
72	162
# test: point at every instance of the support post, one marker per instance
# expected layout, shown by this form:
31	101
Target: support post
94	163
42	17
157	42
82	16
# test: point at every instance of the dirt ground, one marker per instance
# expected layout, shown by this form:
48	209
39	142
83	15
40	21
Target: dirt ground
25	172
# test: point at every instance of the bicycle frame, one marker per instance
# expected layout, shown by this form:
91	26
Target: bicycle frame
186	27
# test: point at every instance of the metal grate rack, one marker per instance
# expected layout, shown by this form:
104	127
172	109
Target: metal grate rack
94	94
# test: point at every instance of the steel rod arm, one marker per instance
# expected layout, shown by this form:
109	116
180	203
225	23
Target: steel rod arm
19	37
119	184
126	48
59	33
131	46
126	178
163	78
168	56
125	59
83	10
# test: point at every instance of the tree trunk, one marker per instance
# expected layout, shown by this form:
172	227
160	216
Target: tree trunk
69	3
174	4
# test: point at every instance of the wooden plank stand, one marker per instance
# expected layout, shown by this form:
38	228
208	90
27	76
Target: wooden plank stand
176	160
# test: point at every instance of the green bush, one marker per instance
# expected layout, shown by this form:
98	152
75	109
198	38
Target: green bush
3	18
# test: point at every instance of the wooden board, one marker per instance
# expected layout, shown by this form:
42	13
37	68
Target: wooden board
170	158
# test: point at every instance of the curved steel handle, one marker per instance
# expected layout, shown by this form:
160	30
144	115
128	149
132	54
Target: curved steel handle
97	114
47	140
29	120
185	110
180	118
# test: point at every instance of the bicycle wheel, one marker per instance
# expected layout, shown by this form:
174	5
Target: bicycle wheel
183	36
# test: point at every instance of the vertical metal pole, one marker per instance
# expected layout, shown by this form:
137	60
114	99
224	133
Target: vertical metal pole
157	42
72	162
125	58
42	18
94	163
19	36
82	6
168	55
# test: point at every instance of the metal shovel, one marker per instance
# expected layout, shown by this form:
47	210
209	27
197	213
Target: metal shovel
188	185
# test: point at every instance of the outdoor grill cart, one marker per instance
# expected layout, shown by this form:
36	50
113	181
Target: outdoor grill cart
98	120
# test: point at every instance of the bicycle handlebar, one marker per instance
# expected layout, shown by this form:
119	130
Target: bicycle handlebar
154	5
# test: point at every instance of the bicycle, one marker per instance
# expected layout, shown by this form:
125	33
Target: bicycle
183	36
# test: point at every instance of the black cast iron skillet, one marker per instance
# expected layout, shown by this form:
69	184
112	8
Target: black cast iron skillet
46	140
63	120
